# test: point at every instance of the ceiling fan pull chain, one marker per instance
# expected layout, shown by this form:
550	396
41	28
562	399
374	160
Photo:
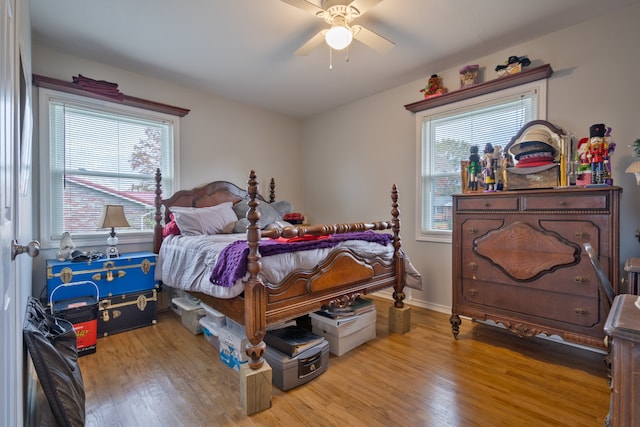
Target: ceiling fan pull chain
330	59
346	56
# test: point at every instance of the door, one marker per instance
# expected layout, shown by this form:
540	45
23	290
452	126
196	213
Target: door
9	337
15	204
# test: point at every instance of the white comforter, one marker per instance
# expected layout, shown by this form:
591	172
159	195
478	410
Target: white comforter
186	262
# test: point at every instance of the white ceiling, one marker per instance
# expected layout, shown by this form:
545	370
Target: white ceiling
244	49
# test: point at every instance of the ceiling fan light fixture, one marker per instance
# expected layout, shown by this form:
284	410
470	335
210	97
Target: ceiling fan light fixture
339	37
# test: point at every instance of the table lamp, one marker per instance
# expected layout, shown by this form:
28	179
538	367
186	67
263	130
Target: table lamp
112	217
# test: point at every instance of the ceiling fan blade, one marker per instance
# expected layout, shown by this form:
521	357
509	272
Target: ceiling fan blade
371	39
313	43
363	5
306	6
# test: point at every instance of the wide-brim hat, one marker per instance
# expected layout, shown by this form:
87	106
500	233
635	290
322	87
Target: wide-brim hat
522	60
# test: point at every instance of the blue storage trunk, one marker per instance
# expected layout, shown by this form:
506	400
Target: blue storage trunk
131	272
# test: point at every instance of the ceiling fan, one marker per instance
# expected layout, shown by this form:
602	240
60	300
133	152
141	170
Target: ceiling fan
339	14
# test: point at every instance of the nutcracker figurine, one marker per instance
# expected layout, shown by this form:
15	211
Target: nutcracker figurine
474	168
598	153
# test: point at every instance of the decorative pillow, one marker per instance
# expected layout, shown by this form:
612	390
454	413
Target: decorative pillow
278	224
282	207
210	220
267	215
171	227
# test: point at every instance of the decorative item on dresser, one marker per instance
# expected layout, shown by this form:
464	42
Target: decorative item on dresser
518	260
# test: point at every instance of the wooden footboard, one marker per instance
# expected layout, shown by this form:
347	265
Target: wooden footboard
337	281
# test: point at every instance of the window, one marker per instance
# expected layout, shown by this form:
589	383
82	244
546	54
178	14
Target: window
445	135
94	153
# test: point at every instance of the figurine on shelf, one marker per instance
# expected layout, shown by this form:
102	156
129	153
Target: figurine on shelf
513	65
434	87
488	168
469	76
474	168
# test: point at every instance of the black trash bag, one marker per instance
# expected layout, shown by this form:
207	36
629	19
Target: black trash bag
53	348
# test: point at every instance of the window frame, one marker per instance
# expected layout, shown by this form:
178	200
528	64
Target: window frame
445	236
97	238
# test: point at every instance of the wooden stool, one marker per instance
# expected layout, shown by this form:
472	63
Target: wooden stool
632	266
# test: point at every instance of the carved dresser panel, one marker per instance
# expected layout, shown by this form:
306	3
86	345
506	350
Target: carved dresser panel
518	260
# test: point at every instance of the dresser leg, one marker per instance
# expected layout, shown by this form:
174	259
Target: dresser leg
455	324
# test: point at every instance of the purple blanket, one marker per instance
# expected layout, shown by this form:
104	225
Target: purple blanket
232	263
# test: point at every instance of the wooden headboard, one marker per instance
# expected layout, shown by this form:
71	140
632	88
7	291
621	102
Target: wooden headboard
210	194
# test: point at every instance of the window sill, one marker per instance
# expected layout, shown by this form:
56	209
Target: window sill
537	73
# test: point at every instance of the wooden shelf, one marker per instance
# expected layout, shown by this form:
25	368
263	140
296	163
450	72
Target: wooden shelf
537	73
70	87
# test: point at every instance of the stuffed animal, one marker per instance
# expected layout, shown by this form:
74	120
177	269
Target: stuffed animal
66	247
434	87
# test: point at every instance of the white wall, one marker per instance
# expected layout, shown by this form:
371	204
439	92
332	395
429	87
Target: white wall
215	137
371	144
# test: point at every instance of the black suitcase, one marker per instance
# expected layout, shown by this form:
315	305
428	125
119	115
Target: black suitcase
122	313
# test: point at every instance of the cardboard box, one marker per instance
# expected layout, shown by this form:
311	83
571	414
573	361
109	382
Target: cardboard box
233	341
289	372
347	333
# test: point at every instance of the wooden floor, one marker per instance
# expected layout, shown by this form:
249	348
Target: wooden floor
164	376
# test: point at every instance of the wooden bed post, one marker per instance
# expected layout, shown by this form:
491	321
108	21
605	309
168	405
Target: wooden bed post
255	379
399	315
157	228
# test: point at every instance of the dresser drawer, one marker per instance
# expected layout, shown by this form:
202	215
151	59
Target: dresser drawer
576	231
579	310
488	203
588	201
472	228
575	280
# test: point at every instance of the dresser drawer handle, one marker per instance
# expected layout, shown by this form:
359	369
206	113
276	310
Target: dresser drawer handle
563	203
472	230
582	235
473	292
582	311
581	279
472	266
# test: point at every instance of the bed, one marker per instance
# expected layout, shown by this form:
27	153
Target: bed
335	280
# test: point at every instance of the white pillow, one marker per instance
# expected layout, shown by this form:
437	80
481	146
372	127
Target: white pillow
210	220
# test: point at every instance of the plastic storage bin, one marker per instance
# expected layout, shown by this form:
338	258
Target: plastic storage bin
190	313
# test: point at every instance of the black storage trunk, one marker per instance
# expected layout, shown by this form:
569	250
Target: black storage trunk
121	313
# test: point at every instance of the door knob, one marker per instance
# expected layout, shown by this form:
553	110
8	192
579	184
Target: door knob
32	249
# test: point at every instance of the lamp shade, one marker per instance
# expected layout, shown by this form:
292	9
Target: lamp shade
113	216
634	168
339	35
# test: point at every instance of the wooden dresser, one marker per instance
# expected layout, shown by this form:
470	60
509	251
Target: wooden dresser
623	328
518	260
